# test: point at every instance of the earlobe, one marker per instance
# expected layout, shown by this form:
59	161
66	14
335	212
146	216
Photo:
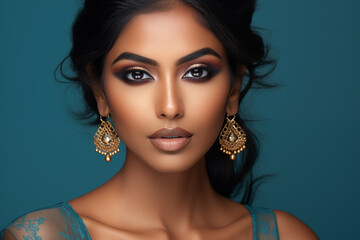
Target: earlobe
101	100
232	105
102	104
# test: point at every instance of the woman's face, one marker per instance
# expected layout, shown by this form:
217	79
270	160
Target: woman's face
167	87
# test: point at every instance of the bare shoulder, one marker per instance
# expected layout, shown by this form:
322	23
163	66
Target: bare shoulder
292	228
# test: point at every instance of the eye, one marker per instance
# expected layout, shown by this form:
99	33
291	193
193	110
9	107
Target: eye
199	72
135	74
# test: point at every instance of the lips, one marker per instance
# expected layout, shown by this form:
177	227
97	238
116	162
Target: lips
170	139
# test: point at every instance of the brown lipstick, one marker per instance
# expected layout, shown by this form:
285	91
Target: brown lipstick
170	139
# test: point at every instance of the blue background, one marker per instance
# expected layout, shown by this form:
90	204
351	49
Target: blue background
309	125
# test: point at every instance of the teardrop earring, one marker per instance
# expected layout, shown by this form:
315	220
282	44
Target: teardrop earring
106	139
232	138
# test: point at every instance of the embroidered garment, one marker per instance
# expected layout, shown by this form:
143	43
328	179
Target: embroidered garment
62	222
264	223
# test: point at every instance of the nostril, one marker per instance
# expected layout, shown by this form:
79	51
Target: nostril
176	116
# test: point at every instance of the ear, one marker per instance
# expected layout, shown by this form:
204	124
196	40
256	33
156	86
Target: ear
99	94
232	105
101	100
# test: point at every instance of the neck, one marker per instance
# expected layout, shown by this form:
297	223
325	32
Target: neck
165	198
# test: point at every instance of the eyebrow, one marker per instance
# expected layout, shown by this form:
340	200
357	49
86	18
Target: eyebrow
135	57
197	54
187	58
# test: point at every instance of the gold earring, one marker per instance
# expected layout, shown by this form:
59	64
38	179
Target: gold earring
232	138
106	139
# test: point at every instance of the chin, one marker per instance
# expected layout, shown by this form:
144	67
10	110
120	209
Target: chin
163	162
173	165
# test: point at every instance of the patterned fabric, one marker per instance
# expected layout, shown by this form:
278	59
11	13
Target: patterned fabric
31	227
57	222
62	222
264	223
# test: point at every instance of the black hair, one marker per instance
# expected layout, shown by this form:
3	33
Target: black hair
97	27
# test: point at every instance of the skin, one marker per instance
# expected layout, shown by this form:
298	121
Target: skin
160	194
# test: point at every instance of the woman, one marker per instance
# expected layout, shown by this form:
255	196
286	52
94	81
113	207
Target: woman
170	75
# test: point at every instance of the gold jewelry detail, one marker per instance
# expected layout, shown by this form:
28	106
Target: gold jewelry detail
232	138
106	139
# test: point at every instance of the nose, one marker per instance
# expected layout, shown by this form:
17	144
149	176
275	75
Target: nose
170	105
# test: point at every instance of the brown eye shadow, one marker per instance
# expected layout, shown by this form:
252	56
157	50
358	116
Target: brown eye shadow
126	73
209	68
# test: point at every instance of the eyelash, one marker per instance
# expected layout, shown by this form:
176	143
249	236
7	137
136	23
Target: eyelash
204	71
200	69
127	74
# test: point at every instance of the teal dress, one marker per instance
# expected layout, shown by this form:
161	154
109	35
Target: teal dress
62	222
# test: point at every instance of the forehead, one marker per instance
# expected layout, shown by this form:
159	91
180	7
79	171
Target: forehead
168	34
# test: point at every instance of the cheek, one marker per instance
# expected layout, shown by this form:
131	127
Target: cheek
127	108
207	103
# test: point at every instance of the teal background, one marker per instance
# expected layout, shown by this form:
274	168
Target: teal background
309	125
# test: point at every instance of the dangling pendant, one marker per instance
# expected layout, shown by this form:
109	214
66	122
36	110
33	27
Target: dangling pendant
232	138
106	140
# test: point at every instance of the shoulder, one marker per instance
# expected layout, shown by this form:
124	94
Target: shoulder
53	222
290	227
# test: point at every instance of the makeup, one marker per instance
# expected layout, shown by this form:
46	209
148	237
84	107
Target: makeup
167	87
170	140
199	72
134	75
